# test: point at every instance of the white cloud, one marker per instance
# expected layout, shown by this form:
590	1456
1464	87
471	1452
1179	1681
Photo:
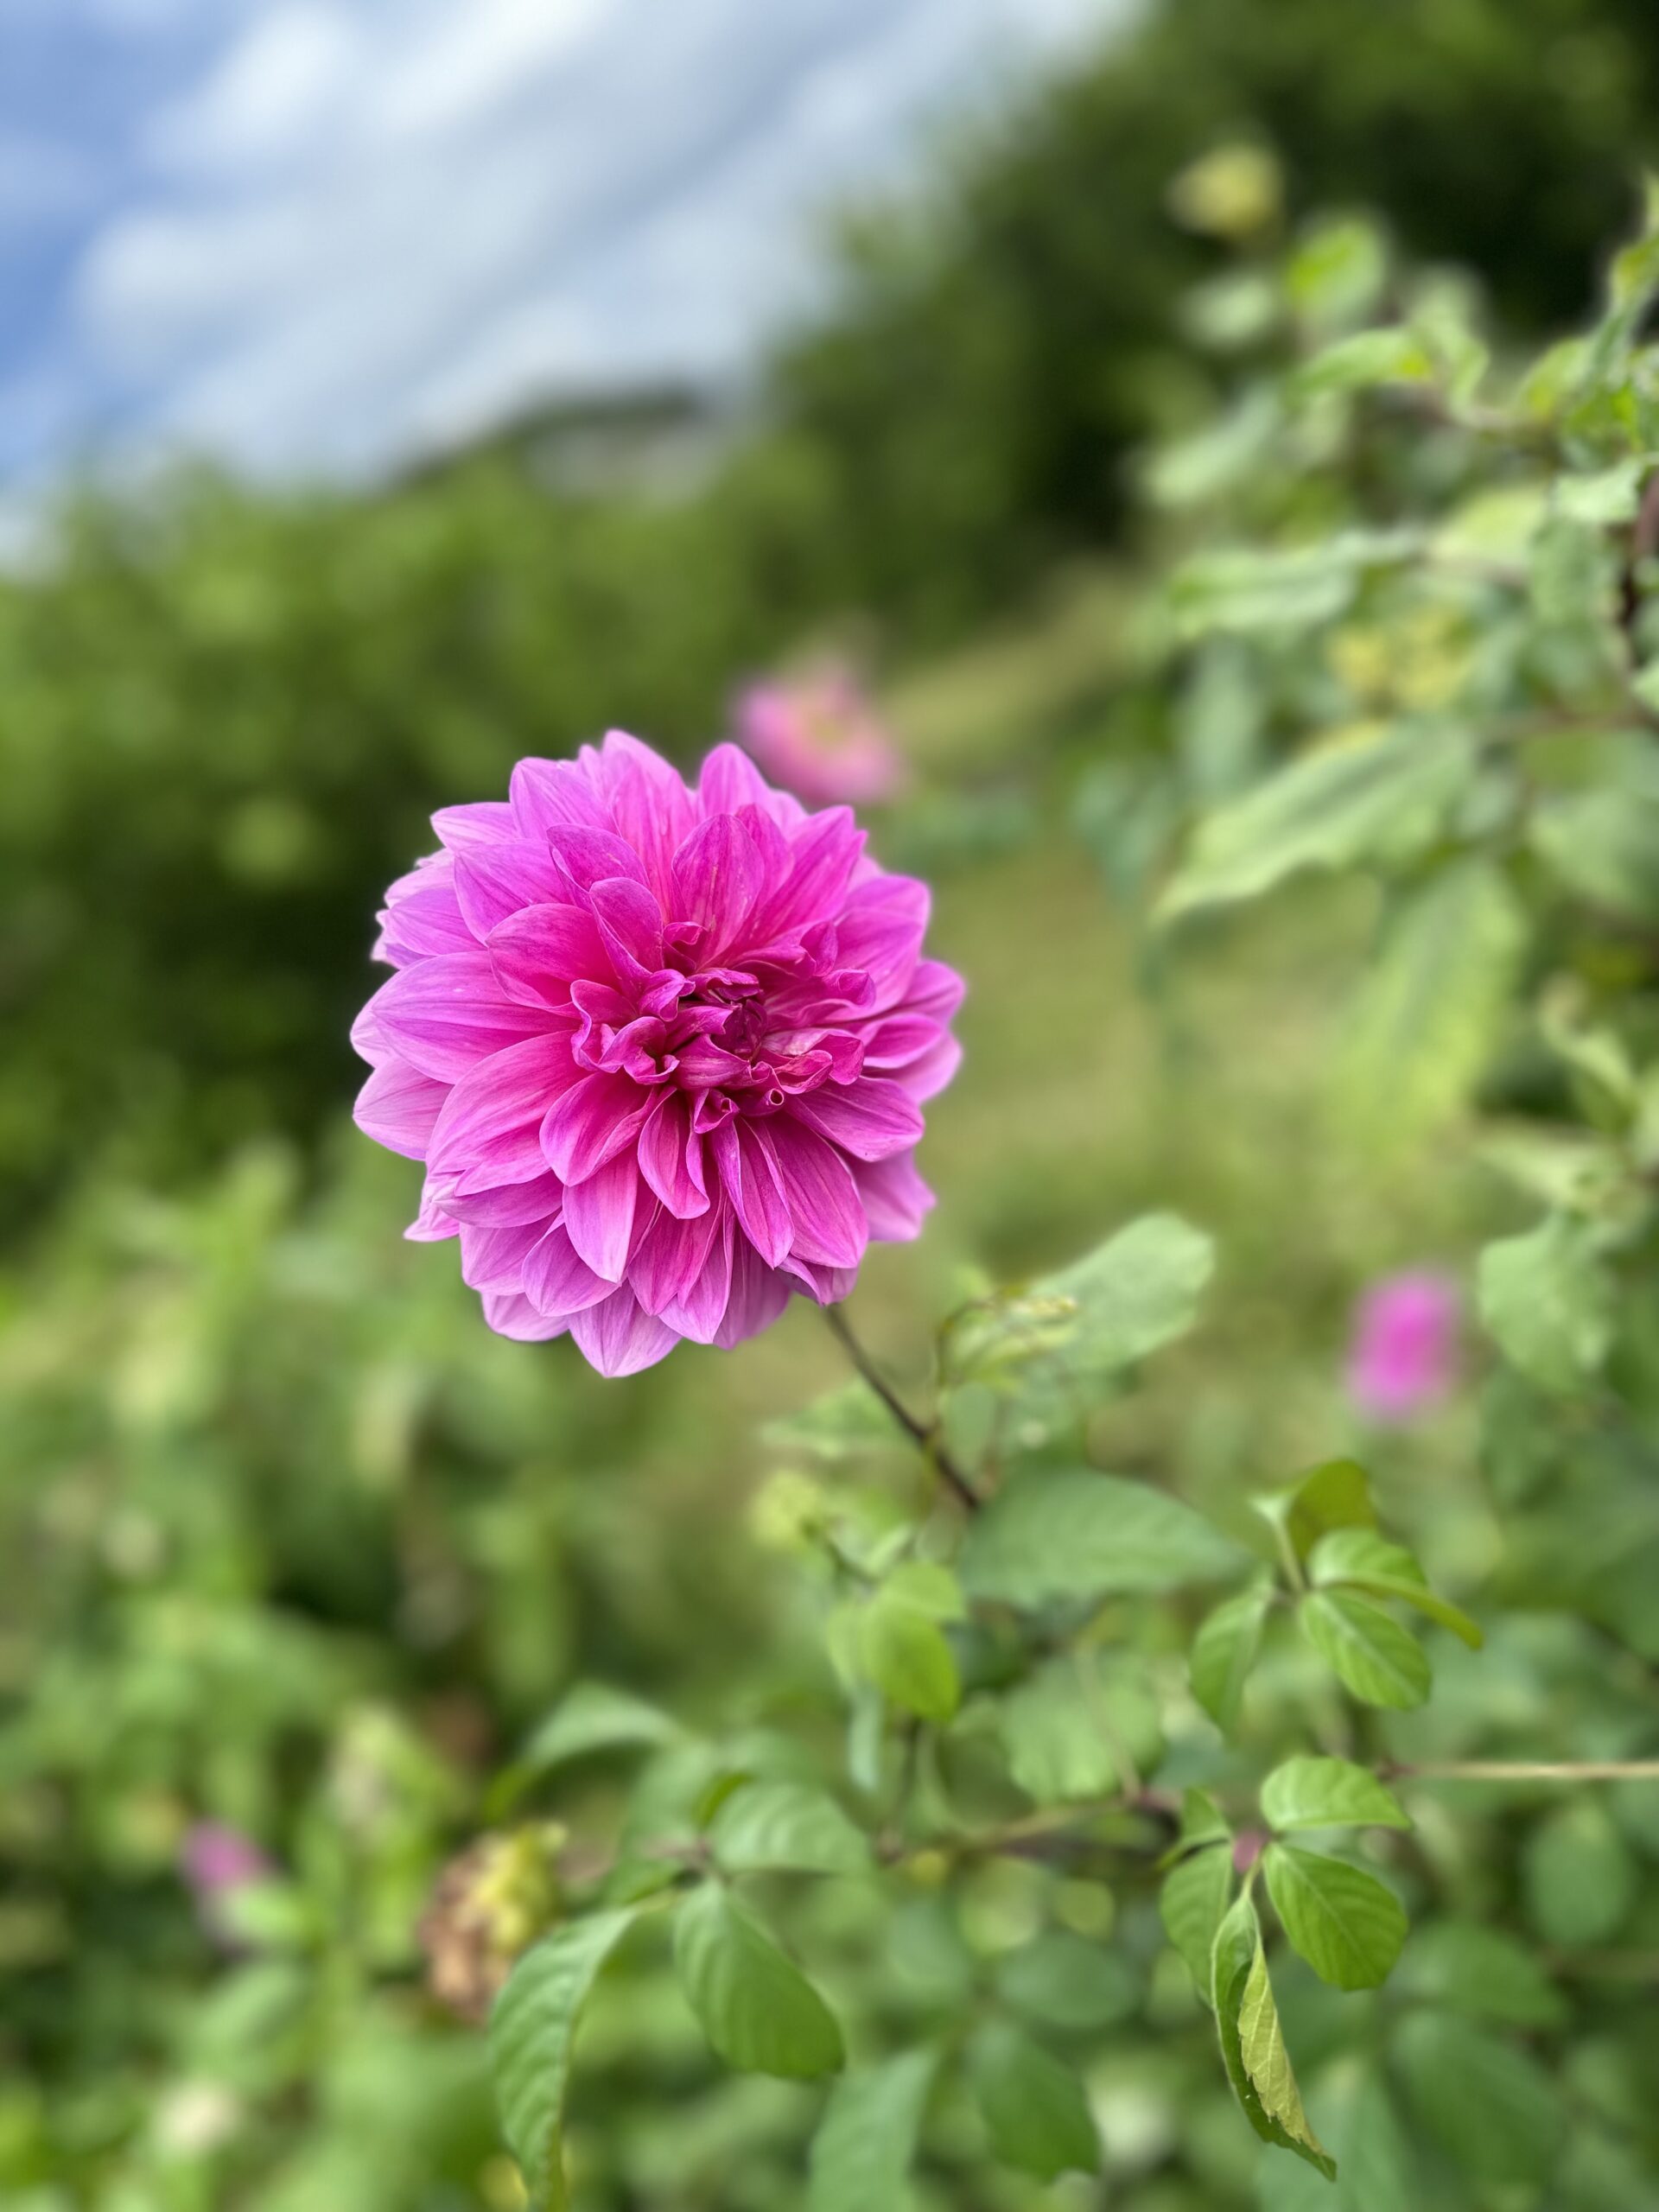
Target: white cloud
366	228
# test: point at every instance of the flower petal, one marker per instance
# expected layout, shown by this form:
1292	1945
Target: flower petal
398	1106
872	1118
699	1312
554	795
717	879
585	857
630	922
619	1337
598	1117
490	1130
669	1257
509	1314
670	1156
444	1015
827	1222
493	1258
748	1171
880	930
506	1206
538	952
759	1295
557	1279
598	1214
895	1198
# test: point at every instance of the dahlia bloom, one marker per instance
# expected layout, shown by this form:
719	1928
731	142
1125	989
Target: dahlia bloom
1403	1355
821	738
662	1051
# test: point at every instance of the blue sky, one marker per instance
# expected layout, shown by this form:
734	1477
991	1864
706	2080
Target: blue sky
314	237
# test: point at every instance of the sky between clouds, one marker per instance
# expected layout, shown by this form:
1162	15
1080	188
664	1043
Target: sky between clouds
316	236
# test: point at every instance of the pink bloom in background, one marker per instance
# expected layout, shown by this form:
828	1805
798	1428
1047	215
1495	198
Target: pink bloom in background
1403	1356
662	1051
820	737
216	1861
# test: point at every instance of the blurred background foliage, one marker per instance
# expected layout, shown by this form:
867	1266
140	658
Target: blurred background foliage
286	1540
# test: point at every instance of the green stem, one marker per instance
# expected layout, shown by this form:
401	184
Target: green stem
923	1434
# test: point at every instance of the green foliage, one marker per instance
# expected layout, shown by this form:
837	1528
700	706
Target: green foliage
532	2031
758	2010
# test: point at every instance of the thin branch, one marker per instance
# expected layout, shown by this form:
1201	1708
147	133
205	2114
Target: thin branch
926	1434
1520	1770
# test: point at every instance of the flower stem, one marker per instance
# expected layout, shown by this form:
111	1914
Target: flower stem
925	1434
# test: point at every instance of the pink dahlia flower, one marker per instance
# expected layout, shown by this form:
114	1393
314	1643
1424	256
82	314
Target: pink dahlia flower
1403	1356
820	737
663	1051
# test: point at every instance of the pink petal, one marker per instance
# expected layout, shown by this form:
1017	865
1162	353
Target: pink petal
699	1314
630	922
599	1117
934	989
496	871
599	1216
826	1286
748	1170
444	1015
620	1337
881	931
493	1259
828	1224
557	1280
759	1295
653	810
540	951
508	1205
670	1156
397	1107
554	795
669	1257
895	1198
492	1119
509	1314
730	779
585	857
717	879
421	920
822	853
872	1118
925	1077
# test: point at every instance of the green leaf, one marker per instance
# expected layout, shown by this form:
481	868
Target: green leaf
1548	1301
1367	1561
1600	840
862	2153
903	1652
1222	1653
1034	2109
1343	1921
789	1827
1482	1971
1335	1495
1492	2109
593	1717
1429	1012
1380	1661
532	2031
1384	799
844	1423
1202	1821
1192	1904
926	1587
1365	359
758	2010
1057	1534
1259	2070
1074	1329
1601	496
1579	1878
1322	1793
1061	1980
1067	1733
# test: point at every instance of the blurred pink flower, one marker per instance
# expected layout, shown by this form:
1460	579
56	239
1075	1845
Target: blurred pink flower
1403	1355
820	737
662	1051
216	1861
